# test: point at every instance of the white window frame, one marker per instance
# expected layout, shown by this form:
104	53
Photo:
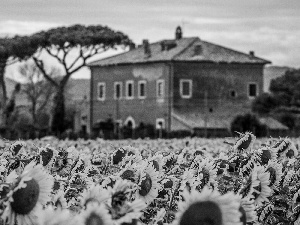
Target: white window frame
130	118
115	89
163	123
248	90
139	89
190	82
98	91
160	98
127	85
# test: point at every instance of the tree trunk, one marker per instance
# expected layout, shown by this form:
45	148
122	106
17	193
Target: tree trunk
33	113
3	95
58	121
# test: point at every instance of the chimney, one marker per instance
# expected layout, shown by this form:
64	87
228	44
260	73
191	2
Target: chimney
251	53
147	49
163	46
131	46
178	33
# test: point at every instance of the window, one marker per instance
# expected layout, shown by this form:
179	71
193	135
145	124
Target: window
118	90
101	91
160	123
142	89
129	89
252	90
160	89
233	93
186	88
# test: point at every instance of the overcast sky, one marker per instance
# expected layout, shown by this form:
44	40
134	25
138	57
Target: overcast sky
271	28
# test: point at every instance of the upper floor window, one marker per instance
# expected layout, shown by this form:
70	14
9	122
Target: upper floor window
186	88
233	94
117	90
142	89
129	89
101	91
252	90
160	89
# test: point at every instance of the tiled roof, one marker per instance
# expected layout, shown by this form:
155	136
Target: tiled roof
193	120
184	50
272	124
189	121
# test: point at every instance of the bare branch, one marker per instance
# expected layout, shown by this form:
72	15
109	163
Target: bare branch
40	65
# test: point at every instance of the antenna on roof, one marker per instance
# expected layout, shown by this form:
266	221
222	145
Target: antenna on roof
183	22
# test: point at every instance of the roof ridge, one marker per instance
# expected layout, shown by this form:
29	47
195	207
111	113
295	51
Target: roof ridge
236	51
187	47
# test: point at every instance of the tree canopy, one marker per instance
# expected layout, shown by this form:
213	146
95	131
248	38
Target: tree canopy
11	50
283	101
72	47
87	40
284	93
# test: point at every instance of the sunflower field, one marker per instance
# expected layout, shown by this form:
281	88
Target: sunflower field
176	181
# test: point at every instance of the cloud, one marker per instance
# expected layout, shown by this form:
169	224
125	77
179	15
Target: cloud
13	27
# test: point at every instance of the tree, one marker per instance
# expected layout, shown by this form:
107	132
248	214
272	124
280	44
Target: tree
248	122
284	93
11	50
287	88
37	89
264	103
86	41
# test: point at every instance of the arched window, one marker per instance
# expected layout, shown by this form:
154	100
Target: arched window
129	122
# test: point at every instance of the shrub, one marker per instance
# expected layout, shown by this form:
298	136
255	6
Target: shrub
248	122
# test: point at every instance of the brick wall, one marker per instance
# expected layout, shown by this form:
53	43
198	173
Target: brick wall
141	110
218	81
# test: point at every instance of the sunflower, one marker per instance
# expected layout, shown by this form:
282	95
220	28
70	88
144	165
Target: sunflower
148	184
80	181
130	211
168	184
120	194
133	156
275	170
261	188
285	147
157	161
244	143
59	200
208	207
30	191
95	214
131	173
118	155
108	181
247	209
266	154
188	180
170	161
207	172
47	157
159	218
93	194
51	216
16	147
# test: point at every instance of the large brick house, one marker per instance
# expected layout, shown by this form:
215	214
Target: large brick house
181	84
